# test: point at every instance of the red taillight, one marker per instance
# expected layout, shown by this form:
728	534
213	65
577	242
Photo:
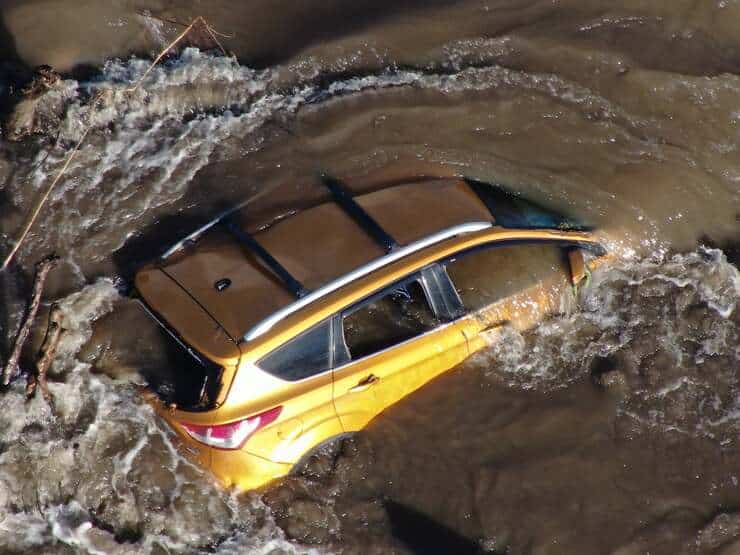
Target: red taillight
234	434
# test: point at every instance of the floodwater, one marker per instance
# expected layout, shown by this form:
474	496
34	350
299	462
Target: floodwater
610	428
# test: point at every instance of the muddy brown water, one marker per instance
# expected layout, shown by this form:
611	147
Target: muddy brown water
610	428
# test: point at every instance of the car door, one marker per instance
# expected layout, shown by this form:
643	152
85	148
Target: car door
396	340
299	380
505	282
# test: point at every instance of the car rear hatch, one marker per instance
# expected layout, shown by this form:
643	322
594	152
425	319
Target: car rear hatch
200	348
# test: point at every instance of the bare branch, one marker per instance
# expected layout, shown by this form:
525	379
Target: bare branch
42	271
45	356
170	46
42	201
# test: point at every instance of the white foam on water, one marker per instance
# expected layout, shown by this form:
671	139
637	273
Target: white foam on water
104	462
669	325
146	146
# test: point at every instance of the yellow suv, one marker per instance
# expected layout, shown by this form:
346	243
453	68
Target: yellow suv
301	332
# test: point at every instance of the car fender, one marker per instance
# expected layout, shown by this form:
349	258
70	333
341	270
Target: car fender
301	463
293	449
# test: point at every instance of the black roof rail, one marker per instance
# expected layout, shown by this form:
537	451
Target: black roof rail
246	239
344	199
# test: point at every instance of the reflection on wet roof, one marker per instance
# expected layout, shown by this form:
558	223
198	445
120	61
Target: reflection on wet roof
378	263
316	247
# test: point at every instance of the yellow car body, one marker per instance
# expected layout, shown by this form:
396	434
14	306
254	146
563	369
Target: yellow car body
257	392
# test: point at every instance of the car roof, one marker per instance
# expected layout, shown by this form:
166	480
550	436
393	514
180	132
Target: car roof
362	271
302	314
318	246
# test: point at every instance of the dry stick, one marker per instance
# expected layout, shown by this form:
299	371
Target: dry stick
211	31
45	356
181	24
42	270
75	150
169	47
42	201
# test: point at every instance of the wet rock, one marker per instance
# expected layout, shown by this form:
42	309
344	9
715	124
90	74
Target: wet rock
310	521
41	107
670	534
722	531
101	541
43	79
605	373
730	549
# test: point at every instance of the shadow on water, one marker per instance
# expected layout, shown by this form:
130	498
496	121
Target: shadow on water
14	73
423	535
15	284
154	240
730	248
305	26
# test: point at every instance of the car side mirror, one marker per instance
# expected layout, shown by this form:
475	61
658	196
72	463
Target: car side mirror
578	269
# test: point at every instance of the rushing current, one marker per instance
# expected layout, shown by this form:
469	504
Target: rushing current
611	427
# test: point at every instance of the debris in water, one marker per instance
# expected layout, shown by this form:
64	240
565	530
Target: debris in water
42	271
95	103
45	356
41	106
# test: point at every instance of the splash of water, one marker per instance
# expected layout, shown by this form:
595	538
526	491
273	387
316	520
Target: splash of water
666	331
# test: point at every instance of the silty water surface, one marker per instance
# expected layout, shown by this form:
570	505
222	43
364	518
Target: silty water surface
612	427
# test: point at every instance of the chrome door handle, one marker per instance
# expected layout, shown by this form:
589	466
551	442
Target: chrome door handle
365	383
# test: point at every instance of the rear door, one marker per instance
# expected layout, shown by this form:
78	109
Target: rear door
396	340
301	384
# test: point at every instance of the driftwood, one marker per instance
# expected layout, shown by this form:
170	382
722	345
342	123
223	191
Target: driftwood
45	356
42	271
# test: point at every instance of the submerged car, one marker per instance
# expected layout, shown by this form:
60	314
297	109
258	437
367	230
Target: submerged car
301	332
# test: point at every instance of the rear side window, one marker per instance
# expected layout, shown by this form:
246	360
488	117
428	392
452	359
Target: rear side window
391	317
309	353
486	275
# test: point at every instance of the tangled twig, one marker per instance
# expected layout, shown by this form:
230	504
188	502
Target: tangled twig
102	94
198	20
42	271
45	356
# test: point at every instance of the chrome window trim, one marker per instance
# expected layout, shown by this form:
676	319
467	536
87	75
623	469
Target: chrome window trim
267	324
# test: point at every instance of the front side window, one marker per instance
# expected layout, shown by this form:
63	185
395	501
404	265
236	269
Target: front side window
312	352
489	274
391	317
